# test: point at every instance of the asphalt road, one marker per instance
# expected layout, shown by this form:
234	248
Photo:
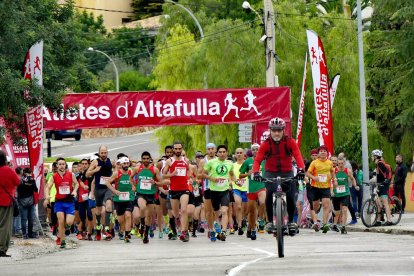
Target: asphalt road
132	145
308	253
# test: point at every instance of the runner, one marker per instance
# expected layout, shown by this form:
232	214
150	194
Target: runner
82	199
321	171
123	192
240	192
220	172
148	177
256	193
278	150
209	213
66	190
340	193
198	199
177	169
101	170
91	204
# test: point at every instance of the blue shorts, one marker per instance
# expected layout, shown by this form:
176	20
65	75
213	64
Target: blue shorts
91	203
241	194
65	207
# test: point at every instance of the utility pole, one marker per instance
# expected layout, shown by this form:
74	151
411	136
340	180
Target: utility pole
269	22
362	98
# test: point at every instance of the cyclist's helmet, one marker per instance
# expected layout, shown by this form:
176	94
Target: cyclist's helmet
277	123
377	152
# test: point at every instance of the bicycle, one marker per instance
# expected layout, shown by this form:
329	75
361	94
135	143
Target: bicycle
280	216
370	214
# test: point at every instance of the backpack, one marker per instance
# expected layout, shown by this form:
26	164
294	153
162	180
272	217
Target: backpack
386	176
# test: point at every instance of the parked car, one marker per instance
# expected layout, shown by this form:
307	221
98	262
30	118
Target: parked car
60	134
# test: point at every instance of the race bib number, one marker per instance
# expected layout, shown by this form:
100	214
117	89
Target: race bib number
103	180
340	189
322	178
220	181
64	190
124	196
85	197
181	171
145	184
241	182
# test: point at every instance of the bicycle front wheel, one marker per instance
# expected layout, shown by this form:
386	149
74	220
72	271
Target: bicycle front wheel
396	210
279	231
369	213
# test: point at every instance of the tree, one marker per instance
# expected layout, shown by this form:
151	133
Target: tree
23	24
390	63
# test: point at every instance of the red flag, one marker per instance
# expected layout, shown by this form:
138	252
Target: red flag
321	90
301	105
34	117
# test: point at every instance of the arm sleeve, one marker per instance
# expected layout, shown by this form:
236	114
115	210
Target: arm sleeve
297	154
264	147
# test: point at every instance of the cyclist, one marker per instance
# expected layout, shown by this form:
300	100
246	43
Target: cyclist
278	150
382	173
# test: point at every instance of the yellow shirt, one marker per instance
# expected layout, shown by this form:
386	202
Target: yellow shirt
322	170
243	182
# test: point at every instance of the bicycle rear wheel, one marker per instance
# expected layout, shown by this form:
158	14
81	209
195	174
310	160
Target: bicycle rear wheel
396	210
279	231
369	213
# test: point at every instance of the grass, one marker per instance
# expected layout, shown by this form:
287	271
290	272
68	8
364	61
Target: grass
53	159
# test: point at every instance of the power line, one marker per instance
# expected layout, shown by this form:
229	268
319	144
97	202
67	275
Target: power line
107	10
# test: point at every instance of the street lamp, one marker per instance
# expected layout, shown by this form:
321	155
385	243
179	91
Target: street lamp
246	6
116	74
116	69
207	127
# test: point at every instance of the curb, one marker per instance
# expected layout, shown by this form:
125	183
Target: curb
381	230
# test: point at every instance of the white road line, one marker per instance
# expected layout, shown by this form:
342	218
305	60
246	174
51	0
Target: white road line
237	269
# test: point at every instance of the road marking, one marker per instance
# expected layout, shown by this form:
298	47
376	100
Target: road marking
237	269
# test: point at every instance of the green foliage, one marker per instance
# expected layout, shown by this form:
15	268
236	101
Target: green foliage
390	63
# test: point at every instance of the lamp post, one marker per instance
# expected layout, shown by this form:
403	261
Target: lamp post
207	127
116	74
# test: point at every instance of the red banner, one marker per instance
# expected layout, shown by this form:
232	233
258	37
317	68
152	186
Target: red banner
34	123
166	108
321	90
301	105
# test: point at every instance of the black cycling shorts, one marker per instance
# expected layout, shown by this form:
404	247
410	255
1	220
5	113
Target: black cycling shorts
150	199
338	201
219	199
319	193
178	194
122	207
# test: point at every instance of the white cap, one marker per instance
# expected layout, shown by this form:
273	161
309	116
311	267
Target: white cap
123	160
93	157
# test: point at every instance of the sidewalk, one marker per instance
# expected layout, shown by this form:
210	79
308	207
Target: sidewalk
57	144
404	227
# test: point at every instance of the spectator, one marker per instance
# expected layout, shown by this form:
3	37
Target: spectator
399	179
9	182
17	222
357	195
25	199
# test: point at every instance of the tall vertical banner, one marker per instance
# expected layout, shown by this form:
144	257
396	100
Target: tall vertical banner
333	87
34	117
321	90
301	105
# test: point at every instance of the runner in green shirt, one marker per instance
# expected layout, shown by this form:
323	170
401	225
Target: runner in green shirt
123	196
219	172
256	192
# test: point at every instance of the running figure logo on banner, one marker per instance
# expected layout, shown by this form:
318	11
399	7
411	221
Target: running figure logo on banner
248	98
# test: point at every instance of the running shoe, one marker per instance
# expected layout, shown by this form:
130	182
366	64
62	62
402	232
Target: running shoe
160	234
172	236
217	227
106	236
315	227
145	240
79	236
232	231
121	236
248	234
388	223
222	236
261	225
166	230
98	232
142	230
240	232
343	230
58	241
293	229
185	237
89	237
253	235
213	236
335	228
127	239
325	228
112	231
354	221
63	244
134	231
151	233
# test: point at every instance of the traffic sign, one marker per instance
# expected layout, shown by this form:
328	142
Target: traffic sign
245	139
245	133
245	126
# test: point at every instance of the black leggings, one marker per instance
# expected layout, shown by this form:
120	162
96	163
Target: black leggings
290	195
